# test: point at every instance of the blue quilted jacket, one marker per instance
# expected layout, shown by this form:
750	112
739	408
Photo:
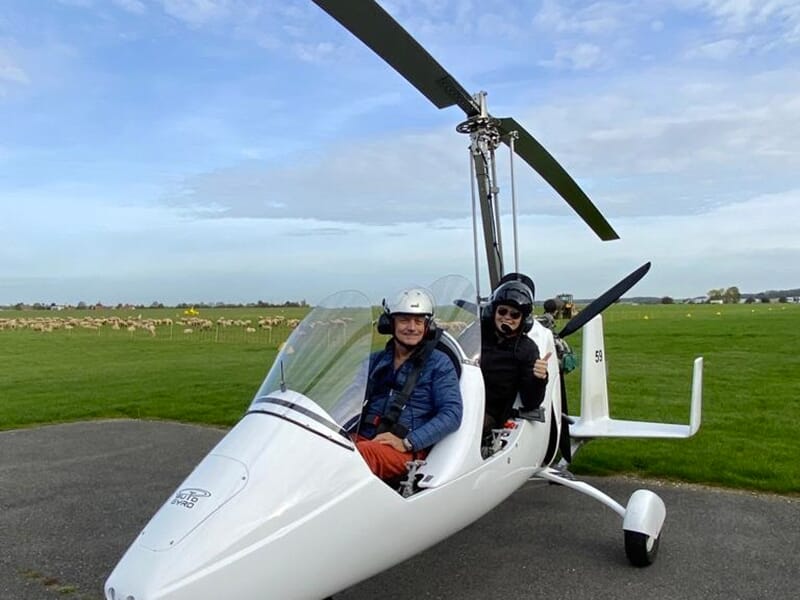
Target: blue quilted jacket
434	408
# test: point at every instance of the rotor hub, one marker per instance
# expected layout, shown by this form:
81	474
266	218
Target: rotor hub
479	123
485	131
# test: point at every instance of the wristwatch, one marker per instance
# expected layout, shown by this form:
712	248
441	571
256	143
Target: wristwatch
408	445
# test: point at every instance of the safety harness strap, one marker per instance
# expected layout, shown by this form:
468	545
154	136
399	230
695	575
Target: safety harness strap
389	421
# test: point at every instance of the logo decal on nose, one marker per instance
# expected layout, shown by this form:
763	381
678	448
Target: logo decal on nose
188	497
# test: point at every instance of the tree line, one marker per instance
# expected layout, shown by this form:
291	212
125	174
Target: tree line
123	306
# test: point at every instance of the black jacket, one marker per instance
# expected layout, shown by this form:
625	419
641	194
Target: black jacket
507	366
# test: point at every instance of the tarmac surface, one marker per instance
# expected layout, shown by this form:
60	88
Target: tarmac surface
74	496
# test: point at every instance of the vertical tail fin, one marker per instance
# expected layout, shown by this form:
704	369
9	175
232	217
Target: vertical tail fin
594	386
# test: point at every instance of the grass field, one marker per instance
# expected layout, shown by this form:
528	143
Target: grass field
751	414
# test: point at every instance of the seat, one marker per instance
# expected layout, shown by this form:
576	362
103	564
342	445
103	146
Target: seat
443	346
459	451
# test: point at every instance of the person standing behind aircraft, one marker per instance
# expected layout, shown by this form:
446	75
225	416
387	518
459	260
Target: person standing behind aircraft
510	360
566	358
413	394
548	319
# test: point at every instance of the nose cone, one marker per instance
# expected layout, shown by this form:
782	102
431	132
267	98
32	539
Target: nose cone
215	481
232	528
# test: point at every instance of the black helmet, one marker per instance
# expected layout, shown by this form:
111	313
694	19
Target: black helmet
521	277
516	294
550	305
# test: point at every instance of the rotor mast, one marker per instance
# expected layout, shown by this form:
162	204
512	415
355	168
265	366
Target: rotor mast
485	137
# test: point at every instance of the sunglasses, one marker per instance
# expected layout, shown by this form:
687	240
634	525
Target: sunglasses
503	311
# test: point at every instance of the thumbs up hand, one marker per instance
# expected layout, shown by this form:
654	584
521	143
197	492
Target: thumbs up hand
540	366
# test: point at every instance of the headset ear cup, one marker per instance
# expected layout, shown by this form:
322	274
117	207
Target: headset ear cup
527	323
486	311
385	324
430	328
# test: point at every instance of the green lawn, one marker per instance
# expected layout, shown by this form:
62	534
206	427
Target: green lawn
207	376
750	405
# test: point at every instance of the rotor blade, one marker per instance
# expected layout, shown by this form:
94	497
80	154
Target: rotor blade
371	24
533	153
603	302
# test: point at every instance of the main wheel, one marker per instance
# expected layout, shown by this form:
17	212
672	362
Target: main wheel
640	548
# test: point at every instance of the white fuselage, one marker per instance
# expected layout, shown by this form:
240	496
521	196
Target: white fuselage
281	511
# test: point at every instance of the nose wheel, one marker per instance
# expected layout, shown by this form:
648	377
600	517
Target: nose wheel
640	548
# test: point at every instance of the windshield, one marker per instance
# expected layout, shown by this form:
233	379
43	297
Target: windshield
456	312
326	358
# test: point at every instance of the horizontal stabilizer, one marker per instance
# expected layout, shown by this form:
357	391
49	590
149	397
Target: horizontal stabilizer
595	420
638	429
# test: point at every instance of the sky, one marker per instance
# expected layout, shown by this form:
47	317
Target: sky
241	150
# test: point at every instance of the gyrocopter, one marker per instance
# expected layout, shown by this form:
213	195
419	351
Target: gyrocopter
287	484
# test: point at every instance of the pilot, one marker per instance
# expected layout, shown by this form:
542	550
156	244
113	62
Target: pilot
413	398
510	360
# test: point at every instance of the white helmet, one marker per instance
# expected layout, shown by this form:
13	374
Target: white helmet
415	301
410	302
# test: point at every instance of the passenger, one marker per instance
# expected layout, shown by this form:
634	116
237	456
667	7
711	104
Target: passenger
413	395
510	360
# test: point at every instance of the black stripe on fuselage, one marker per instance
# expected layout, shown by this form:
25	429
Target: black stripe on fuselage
303	411
258	411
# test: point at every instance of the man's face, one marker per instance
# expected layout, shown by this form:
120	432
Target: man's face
409	329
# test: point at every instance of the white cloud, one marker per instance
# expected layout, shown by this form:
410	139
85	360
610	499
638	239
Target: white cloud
595	18
10	72
690	253
763	25
196	13
378	181
652	144
77	3
136	7
725	126
743	15
314	52
718	50
579	57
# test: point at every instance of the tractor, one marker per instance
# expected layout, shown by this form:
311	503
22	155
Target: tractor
566	307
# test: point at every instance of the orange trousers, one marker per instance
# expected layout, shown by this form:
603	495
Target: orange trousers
383	460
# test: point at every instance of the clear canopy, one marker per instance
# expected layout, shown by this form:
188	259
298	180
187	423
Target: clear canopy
326	358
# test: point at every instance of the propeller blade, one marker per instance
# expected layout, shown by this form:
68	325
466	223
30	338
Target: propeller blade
533	153
603	302
466	305
371	24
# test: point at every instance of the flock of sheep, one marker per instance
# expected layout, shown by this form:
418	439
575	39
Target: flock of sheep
183	325
221	329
